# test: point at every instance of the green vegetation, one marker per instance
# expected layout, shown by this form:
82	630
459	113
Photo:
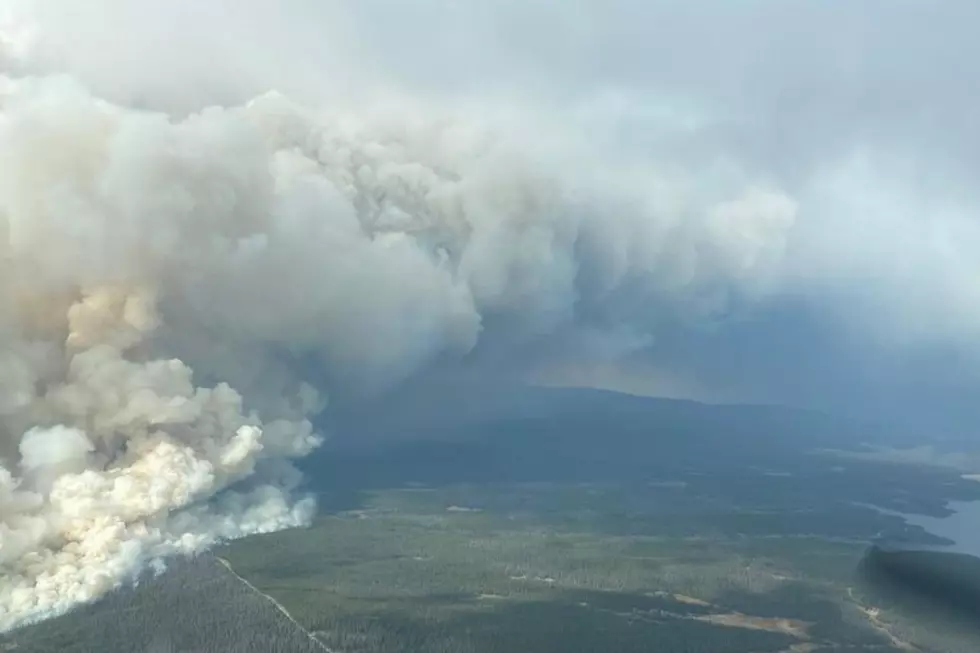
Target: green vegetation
197	605
454	569
538	536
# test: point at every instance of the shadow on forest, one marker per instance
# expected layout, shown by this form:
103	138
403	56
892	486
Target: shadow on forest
746	457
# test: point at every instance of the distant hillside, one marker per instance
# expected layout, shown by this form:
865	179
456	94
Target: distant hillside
741	454
196	606
450	411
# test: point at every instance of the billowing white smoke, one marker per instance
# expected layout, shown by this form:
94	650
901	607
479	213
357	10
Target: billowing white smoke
158	275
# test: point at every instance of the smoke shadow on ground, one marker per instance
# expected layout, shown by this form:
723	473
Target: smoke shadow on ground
745	458
938	588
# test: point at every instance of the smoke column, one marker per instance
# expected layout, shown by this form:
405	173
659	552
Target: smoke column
160	276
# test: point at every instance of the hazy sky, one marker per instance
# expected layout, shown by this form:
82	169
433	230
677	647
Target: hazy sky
862	113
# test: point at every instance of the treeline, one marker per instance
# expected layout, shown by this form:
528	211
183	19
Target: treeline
196	606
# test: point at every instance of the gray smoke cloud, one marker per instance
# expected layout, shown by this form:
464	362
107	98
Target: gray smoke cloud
214	215
160	270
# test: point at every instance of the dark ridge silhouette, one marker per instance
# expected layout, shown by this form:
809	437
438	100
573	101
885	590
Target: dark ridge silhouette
579	436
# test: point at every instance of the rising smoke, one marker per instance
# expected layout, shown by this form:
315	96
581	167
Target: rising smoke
217	216
160	275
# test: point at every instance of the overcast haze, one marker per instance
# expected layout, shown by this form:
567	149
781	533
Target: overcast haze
221	216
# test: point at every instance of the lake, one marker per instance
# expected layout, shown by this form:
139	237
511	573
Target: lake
962	527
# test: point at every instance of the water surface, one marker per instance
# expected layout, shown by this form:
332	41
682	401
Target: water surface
962	527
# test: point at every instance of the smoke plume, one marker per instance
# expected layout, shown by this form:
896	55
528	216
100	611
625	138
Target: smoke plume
169	280
218	217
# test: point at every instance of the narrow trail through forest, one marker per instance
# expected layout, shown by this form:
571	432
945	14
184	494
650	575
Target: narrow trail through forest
278	606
